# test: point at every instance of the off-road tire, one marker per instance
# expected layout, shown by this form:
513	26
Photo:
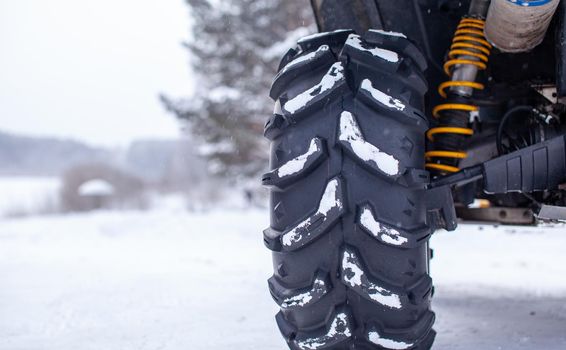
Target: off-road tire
349	229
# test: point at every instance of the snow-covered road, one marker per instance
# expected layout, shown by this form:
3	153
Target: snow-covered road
174	280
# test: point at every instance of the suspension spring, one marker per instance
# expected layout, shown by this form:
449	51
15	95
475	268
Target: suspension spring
469	53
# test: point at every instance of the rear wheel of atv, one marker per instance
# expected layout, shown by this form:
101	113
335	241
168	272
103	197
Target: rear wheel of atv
349	229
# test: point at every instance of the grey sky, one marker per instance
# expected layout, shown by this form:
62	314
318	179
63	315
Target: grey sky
91	69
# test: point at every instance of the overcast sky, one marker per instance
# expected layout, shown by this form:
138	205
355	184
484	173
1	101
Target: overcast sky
92	69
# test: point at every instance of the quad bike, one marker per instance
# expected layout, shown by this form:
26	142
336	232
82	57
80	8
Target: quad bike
367	161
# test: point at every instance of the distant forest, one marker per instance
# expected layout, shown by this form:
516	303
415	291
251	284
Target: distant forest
43	156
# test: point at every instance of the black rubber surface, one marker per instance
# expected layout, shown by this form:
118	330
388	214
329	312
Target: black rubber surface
349	229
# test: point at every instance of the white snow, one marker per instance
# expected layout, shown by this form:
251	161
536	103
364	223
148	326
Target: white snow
136	280
382	97
350	133
297	300
354	275
28	195
96	187
378	230
355	41
178	280
330	79
307	57
330	198
303	299
497	259
319	35
297	164
375	338
340	327
328	201
385	32
295	235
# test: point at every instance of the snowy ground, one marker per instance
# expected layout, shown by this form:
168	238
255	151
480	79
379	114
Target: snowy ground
21	195
175	280
500	288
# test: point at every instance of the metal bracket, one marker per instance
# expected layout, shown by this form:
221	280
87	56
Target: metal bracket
547	91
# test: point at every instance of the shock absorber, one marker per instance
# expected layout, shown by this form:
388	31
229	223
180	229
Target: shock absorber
469	53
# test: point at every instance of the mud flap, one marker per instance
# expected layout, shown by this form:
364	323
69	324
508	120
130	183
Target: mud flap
440	208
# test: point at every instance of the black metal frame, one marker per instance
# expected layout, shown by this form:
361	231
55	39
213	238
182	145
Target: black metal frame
431	24
359	15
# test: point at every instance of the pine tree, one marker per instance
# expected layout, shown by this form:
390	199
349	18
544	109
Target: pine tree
235	49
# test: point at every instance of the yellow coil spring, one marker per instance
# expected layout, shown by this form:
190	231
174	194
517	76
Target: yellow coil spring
469	41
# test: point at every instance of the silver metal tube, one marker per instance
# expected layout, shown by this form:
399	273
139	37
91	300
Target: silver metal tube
468	72
465	72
